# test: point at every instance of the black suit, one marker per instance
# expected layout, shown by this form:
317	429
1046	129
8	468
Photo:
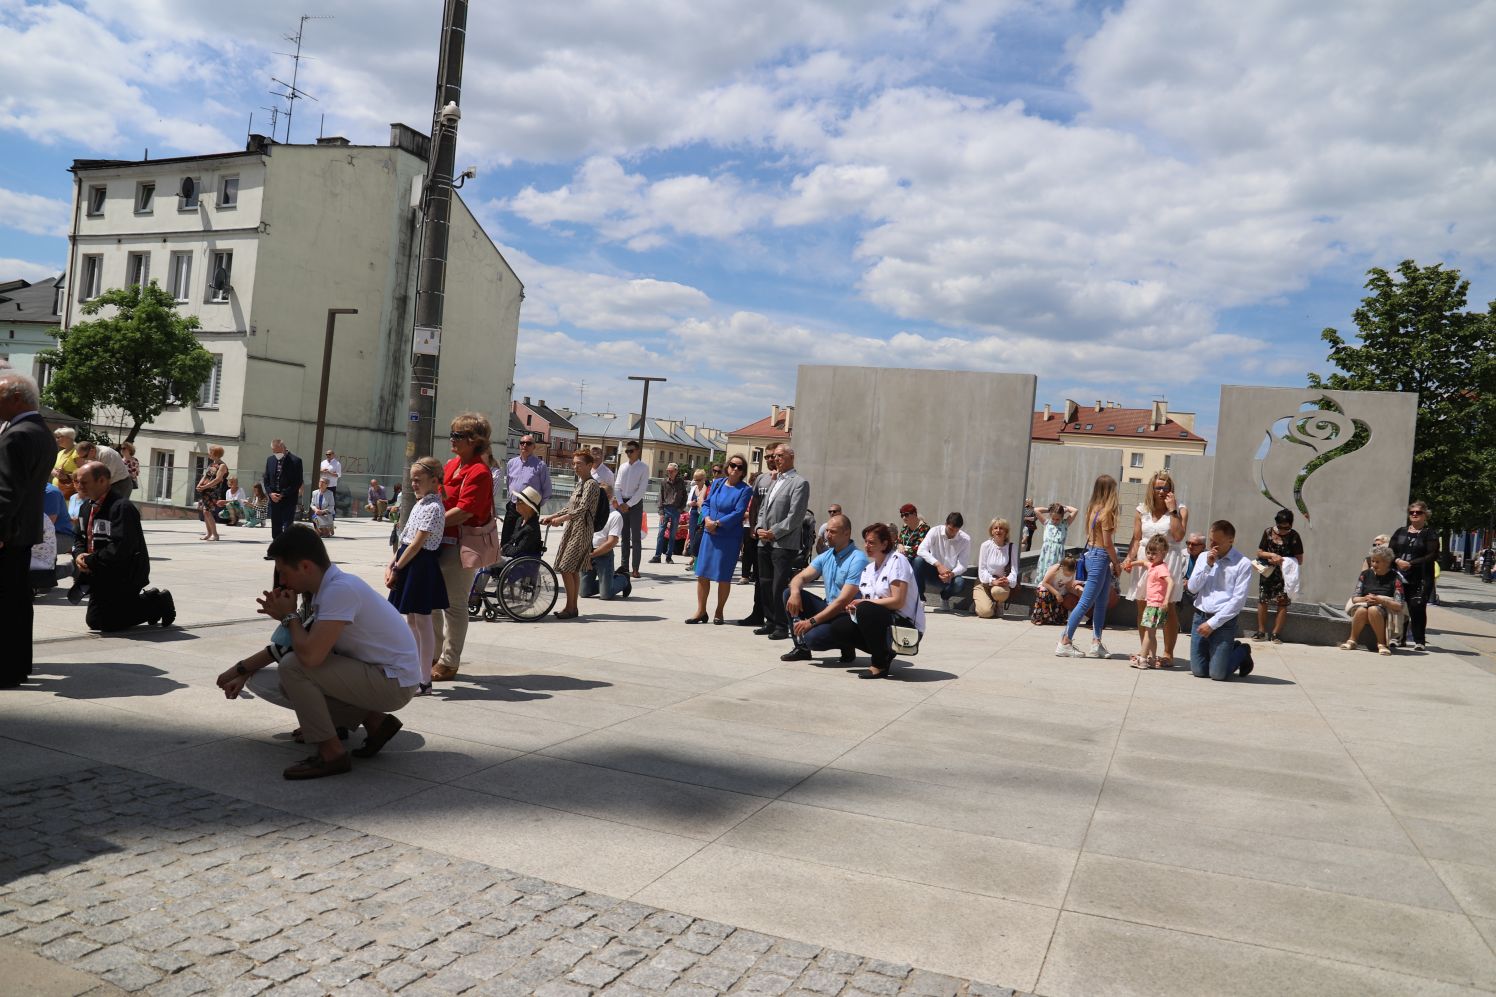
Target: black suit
26	455
119	565
284	476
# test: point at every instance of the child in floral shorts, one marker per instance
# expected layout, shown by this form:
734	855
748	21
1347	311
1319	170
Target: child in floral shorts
1158	589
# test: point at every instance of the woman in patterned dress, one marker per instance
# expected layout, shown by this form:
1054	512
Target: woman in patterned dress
1278	542
576	542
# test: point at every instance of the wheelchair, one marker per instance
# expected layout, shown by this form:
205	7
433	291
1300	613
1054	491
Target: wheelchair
521	588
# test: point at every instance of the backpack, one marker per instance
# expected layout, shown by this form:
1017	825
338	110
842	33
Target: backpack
600	511
808	530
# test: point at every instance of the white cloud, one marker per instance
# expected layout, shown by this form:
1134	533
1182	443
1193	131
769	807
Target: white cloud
596	301
33	214
10	269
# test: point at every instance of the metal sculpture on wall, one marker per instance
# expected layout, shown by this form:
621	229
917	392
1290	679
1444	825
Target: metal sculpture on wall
1325	432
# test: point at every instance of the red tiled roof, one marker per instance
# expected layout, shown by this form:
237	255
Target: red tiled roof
1120	423
766	427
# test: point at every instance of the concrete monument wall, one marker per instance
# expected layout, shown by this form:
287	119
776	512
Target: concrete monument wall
1194	481
1066	474
1266	438
872	439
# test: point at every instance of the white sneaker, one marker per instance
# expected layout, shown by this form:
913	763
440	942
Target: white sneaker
1068	651
1098	650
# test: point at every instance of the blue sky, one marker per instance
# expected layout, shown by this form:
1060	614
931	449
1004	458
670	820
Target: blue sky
1131	200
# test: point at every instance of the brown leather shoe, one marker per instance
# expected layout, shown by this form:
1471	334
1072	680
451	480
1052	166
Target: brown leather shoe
315	768
443	673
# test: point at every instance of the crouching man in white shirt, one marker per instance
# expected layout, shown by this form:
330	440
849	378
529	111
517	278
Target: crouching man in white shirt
1218	582
349	658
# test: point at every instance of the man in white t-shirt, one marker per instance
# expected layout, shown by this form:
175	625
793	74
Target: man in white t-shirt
332	470
601	579
351	661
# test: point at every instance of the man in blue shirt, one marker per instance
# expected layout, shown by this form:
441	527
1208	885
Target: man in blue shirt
814	620
1218	582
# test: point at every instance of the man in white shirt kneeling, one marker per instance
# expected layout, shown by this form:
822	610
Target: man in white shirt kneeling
349	659
942	560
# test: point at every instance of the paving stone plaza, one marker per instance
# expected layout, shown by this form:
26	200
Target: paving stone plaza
626	805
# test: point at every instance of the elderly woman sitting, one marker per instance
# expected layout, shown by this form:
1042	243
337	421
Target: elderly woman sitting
1379	596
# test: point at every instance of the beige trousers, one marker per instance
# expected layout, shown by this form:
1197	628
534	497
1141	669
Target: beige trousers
989	600
451	624
340	692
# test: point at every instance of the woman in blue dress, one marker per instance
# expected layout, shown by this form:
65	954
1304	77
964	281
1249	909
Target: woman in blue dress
721	538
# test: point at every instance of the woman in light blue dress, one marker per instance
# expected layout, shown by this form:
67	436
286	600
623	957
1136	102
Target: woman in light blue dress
1056	521
721	538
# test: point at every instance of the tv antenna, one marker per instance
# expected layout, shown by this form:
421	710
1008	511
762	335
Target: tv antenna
292	93
581	395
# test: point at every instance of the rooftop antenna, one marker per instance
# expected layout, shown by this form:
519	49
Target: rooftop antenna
581	395
293	94
275	113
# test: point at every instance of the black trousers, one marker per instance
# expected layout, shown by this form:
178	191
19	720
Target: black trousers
511	517
112	609
15	613
1416	596
871	633
775	566
282	515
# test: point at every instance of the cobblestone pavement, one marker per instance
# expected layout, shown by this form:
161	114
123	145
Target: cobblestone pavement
166	889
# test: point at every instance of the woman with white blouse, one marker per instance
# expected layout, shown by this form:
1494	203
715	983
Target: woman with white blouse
888	597
997	571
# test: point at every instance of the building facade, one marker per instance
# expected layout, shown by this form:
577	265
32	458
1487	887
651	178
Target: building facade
754	439
30	315
259	244
556	437
1149	438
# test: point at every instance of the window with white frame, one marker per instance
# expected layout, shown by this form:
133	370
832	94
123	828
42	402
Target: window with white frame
138	269
181	275
93	277
189	203
158	486
228	192
1137	460
1168	462
200	463
145	197
96	199
43	374
218	276
207	395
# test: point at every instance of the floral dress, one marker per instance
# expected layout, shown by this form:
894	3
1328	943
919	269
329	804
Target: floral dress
1052	548
1270	586
911	538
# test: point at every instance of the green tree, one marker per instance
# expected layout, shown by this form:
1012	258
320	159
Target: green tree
1417	336
137	360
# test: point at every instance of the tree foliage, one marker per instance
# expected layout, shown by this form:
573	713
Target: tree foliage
139	359
1417	336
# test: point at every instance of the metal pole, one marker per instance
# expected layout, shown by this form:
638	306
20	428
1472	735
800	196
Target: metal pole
332	317
431	278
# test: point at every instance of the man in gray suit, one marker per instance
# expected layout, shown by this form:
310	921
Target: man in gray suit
779	526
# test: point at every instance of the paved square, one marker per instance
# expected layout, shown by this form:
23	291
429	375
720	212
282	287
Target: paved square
1069	827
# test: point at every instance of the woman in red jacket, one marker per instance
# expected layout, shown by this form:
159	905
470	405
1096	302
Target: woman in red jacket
468	500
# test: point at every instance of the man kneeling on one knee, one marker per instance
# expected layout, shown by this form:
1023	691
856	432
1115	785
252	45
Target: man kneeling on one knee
350	658
1218	583
814	620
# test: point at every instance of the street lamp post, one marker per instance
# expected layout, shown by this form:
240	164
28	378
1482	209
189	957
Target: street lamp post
644	406
332	318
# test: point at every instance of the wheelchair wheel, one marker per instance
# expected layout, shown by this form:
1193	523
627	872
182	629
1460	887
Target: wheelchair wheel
475	606
527	588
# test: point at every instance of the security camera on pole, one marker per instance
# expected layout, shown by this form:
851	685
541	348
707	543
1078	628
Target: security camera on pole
431	279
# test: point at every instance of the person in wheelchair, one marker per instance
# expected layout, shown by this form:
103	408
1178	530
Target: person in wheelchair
524	542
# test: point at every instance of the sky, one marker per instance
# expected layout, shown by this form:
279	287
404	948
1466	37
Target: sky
1131	200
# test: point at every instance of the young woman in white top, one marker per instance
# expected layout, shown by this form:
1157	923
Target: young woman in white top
997	571
1159	514
233	502
887	592
414	577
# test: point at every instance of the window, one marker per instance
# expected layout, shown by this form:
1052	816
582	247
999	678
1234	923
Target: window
200	462
158	487
1134	481
96	200
1168	461
189	203
228	192
138	269
145	198
43	374
218	276
207	395
181	275
93	277
1137	460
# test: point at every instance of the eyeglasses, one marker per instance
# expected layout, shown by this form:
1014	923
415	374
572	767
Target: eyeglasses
737	467
1418	512
459	436
908	514
527	443
1160	488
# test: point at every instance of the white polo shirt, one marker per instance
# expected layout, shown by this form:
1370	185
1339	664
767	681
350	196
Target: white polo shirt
376	632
